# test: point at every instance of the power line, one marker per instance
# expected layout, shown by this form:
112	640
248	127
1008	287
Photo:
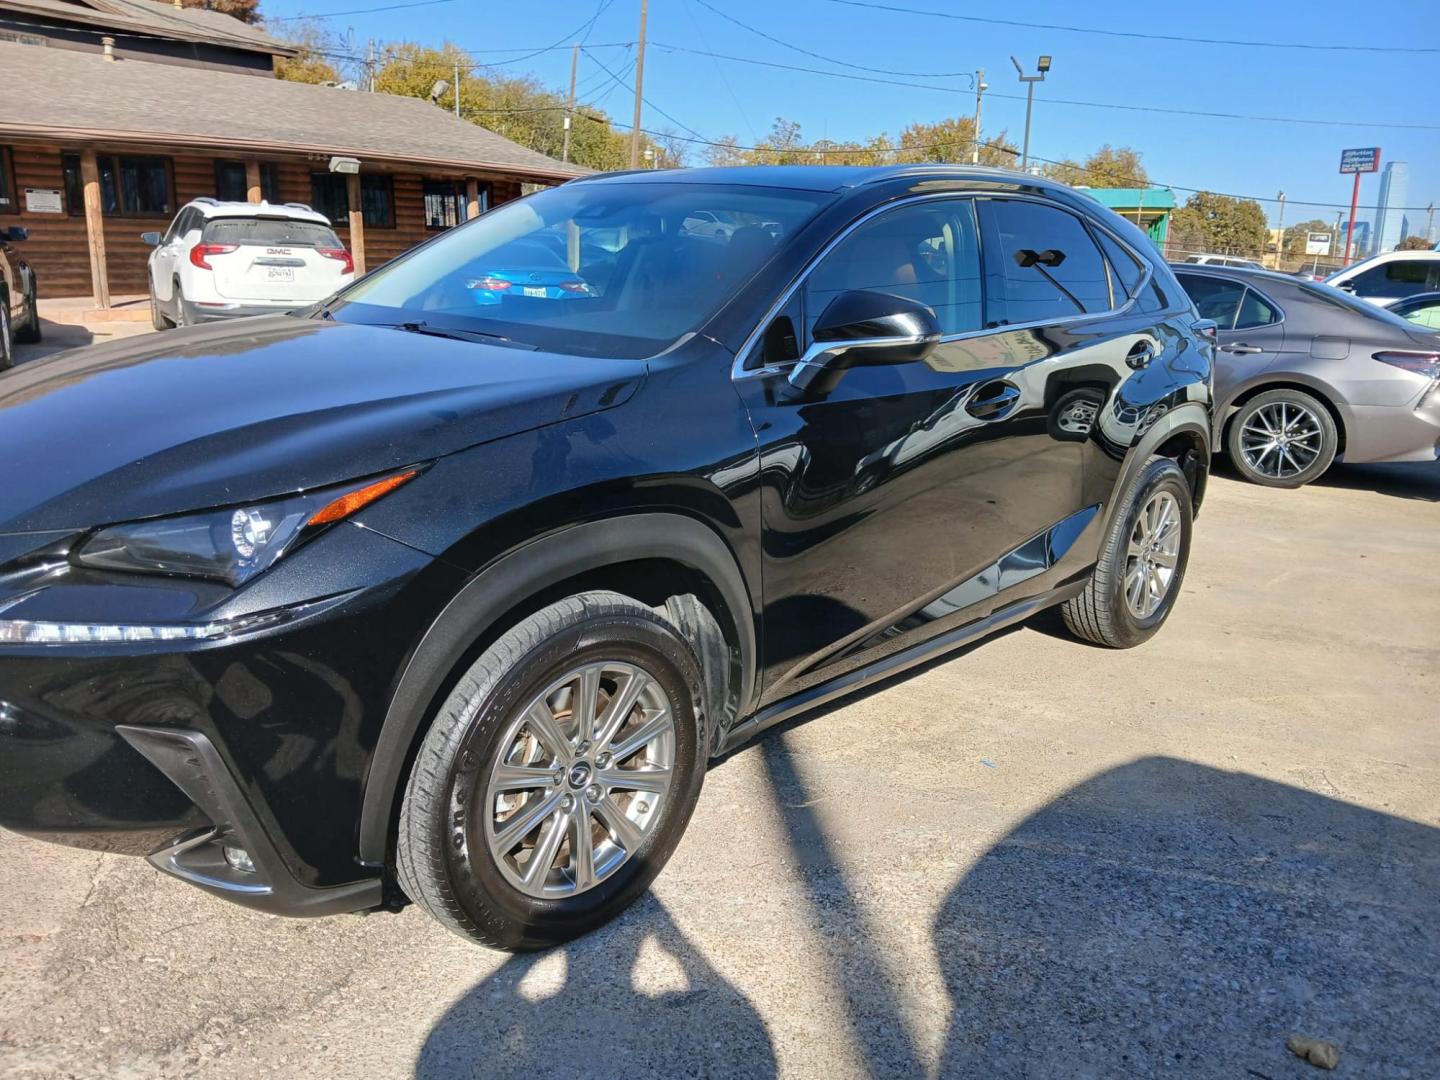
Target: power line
850	77
353	11
646	100
1133	33
720	71
830	59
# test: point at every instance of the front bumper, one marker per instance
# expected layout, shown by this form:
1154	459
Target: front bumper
261	741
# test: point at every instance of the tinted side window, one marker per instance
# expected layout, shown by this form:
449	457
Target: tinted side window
1403	277
1254	311
926	252
1040	264
1128	271
1215	298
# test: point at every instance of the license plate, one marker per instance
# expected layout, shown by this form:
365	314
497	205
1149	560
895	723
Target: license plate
534	290
279	273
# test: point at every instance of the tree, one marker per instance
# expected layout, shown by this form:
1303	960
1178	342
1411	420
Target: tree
1108	167
1219	223
953	140
783	146
1415	243
725	151
247	11
309	65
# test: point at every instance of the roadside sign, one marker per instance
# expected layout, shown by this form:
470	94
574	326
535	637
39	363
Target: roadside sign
1317	243
1364	159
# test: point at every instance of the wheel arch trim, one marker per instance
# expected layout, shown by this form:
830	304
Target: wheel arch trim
1272	379
508	582
1189	418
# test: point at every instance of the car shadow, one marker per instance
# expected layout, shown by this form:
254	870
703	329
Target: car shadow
597	1022
1403	480
1167	918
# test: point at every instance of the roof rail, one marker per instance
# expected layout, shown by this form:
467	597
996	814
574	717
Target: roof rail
207	199
299	206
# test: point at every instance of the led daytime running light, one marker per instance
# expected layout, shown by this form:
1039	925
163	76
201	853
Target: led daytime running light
27	632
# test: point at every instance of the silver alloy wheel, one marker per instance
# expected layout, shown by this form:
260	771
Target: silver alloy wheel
1281	440
1153	554
580	780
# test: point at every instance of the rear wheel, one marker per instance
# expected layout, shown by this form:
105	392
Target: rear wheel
182	316
1134	586
1282	438
557	778
157	320
7	339
28	332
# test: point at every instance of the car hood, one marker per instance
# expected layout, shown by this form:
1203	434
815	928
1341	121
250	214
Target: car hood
186	420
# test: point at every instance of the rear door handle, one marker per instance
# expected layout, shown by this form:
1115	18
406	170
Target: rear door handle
1241	349
993	400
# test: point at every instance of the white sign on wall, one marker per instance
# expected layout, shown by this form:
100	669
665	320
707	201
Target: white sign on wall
1317	243
43	201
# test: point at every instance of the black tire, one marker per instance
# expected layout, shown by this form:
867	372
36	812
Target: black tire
157	320
182	314
443	861
1101	613
1329	438
7	338
28	332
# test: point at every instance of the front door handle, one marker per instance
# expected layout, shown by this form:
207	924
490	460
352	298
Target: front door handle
993	401
1241	349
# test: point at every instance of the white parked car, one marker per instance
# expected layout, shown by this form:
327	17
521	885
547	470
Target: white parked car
224	259
1392	275
1231	261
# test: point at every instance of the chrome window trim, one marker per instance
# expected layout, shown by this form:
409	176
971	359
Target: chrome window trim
1245	287
738	370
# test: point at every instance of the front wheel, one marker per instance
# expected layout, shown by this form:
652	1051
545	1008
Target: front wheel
28	332
1136	582
557	778
7	340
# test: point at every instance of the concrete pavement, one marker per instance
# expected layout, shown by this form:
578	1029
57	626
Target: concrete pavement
1036	859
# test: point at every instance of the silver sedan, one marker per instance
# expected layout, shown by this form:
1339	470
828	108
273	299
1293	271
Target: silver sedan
1308	374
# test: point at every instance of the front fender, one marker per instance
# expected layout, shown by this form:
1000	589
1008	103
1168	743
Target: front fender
508	582
1190	419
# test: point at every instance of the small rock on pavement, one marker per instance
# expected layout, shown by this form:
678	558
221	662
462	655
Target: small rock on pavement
1317	1052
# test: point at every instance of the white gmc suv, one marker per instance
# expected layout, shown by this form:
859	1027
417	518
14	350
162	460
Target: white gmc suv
224	259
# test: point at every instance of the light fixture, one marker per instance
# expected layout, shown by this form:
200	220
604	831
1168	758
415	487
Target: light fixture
1044	64
344	165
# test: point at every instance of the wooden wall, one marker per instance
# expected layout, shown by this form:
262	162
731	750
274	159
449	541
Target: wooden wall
58	250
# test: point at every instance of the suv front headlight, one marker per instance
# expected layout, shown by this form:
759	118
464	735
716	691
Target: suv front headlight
227	545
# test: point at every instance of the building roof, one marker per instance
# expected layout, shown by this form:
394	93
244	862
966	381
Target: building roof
1150	198
155	18
82	96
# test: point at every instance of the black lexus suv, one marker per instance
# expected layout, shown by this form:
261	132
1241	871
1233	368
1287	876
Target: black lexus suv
448	589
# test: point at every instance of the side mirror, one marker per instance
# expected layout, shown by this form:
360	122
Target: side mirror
864	328
151	238
1346	286
16	233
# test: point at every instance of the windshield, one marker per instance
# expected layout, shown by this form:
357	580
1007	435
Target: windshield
611	269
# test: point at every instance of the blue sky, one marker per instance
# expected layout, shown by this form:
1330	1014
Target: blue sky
1248	157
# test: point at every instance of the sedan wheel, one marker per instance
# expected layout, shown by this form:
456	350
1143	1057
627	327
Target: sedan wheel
1282	438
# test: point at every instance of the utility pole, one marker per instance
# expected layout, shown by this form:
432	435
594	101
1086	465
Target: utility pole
1042	66
1336	245
1280	228
457	89
570	108
980	88
370	66
639	89
1430	223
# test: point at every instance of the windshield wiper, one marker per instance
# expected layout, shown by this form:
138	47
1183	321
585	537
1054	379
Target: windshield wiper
422	327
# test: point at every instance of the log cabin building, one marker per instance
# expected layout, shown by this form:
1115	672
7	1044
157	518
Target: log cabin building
119	112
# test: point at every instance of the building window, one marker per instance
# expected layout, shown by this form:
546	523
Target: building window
9	197
444	204
230	181
270	182
377	199
129	186
231	184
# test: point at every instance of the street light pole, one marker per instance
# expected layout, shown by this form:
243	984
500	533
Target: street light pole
639	90
980	88
1041	67
1280	228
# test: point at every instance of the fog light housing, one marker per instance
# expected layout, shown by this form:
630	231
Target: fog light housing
239	859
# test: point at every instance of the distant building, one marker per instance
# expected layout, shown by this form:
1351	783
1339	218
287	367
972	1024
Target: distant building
1149	208
1360	244
1391	224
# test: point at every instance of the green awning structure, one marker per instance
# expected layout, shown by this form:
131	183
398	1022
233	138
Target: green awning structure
1148	207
